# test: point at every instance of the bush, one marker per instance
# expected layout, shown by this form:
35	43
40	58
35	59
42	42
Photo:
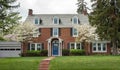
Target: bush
44	53
33	53
77	52
65	52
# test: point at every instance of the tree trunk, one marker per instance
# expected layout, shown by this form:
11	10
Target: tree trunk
114	48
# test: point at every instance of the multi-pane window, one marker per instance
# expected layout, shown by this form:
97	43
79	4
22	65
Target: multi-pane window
75	32
32	46
56	20
74	45
75	20
55	32
37	21
36	46
99	47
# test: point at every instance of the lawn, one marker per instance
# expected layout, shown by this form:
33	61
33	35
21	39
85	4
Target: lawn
86	63
20	63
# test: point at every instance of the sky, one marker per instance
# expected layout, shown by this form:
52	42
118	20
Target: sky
48	7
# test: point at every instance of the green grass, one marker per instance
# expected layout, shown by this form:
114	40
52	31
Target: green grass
86	63
20	63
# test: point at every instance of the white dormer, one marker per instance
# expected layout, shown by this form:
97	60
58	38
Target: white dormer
55	20
37	21
75	20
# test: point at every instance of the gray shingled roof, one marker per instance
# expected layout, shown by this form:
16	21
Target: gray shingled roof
47	19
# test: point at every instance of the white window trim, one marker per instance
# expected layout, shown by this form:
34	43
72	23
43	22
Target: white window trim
97	47
73	20
75	45
35	46
36	33
57	20
73	32
57	32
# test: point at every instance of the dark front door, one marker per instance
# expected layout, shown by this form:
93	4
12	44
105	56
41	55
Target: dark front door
55	48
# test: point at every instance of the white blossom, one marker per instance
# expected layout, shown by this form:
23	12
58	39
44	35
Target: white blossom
86	33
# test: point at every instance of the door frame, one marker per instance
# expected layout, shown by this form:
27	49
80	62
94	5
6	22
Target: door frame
55	42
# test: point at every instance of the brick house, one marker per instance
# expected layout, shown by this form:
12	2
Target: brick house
57	32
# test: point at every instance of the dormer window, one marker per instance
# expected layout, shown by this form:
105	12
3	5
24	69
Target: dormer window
37	21
75	20
56	20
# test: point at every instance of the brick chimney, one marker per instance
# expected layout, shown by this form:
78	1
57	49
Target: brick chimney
30	12
85	12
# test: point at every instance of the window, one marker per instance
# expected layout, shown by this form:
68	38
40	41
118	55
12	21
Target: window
99	47
72	46
39	46
32	46
55	32
75	20
75	45
36	46
37	21
56	20
36	33
75	32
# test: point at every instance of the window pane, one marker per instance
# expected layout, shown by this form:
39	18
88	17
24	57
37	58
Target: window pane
78	46
55	31
75	20
39	47
94	46
36	20
99	47
104	47
55	20
32	46
72	45
75	31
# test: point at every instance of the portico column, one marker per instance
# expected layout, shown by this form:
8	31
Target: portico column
49	48
60	46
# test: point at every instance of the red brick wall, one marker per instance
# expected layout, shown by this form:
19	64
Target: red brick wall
65	35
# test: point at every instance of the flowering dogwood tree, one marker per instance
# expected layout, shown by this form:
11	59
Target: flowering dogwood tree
86	33
22	32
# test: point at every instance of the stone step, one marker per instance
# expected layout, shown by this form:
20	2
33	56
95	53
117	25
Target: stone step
44	66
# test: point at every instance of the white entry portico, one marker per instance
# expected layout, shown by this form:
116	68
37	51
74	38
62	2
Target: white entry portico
54	46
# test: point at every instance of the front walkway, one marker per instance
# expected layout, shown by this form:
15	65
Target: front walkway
44	64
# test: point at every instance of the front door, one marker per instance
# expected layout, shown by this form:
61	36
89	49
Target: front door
55	49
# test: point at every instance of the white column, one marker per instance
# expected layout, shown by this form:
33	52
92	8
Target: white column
49	48
60	48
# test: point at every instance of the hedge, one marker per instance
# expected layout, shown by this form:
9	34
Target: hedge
77	52
35	53
65	52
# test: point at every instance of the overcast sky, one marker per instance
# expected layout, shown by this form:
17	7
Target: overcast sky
48	7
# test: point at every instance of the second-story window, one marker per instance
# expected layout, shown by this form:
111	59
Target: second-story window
75	20
56	20
75	32
55	32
